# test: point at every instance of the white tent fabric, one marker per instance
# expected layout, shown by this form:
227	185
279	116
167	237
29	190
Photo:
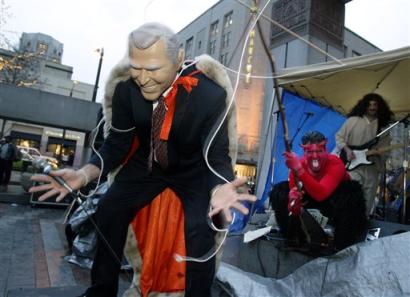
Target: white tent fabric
342	85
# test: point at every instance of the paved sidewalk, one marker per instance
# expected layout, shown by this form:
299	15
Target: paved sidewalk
15	192
32	248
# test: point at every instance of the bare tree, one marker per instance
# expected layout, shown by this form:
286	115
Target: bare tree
21	68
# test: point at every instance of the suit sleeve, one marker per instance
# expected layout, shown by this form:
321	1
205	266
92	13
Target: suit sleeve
218	154
116	146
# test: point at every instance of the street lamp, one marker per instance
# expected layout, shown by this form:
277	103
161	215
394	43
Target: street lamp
101	51
72	88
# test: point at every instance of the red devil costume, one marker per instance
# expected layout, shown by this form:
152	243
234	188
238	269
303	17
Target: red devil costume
326	186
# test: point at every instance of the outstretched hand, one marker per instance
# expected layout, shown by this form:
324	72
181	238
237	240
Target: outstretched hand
226	197
72	177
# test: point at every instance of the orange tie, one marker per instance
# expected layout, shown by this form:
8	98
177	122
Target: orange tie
162	117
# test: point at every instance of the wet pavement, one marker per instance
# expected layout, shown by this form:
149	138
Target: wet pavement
32	245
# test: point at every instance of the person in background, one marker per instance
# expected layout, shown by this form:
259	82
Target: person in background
325	186
366	119
8	154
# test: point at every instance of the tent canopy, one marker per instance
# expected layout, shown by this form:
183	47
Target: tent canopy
342	85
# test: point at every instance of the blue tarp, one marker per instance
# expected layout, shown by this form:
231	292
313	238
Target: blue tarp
302	115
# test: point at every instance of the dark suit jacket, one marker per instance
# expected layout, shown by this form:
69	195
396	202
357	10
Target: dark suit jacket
195	116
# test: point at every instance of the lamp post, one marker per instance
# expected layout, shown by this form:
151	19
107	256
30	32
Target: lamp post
72	88
101	51
60	153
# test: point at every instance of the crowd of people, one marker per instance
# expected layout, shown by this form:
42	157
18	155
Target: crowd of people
165	132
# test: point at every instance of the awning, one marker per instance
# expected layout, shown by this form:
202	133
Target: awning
342	85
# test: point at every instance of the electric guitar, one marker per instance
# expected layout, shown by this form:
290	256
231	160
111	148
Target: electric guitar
361	155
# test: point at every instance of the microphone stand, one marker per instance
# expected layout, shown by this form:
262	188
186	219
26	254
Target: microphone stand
307	116
45	168
405	121
405	168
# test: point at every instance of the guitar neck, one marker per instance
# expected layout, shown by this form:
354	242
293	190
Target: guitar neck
383	150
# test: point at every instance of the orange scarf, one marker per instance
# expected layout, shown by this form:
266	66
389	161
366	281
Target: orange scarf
187	82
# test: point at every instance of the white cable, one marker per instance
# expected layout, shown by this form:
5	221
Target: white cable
95	131
232	97
206	257
111	127
251	76
294	34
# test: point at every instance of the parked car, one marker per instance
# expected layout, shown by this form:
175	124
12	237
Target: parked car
30	154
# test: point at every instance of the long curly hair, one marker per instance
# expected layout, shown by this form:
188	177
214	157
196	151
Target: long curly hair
384	113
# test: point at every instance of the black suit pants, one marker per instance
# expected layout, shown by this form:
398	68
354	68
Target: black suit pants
345	209
115	212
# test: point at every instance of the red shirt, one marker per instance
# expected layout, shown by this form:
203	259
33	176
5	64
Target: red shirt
321	185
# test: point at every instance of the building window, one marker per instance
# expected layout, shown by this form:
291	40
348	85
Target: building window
213	32
42	48
214	29
199	44
226	39
356	54
188	48
228	20
224	59
212	47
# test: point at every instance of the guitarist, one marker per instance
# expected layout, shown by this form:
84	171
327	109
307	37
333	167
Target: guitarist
326	186
366	119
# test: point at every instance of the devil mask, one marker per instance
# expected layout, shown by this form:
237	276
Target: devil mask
316	155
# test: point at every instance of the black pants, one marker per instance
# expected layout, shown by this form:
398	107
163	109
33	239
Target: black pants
5	171
345	209
117	209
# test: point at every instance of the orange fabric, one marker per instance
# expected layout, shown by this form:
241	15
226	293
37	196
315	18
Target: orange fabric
187	82
134	146
159	229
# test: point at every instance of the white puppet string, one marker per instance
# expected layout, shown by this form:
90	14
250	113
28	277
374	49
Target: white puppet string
231	100
111	127
95	132
146	8
291	32
211	253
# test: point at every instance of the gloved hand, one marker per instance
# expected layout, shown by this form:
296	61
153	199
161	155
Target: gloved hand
295	201
292	161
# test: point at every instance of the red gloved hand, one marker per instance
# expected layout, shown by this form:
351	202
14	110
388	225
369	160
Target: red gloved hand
295	201
292	161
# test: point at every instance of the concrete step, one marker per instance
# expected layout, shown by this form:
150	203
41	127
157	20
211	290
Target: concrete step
15	194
